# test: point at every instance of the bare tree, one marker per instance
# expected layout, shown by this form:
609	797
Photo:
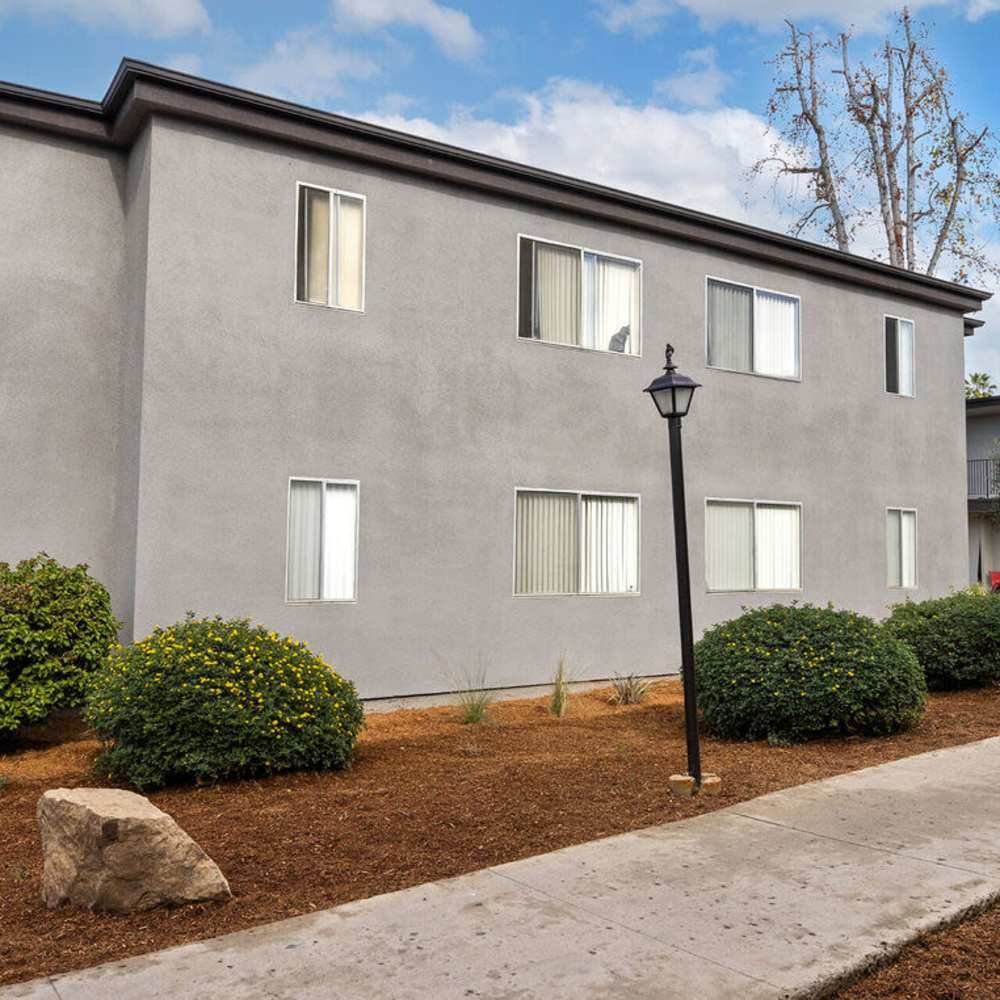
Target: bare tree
883	140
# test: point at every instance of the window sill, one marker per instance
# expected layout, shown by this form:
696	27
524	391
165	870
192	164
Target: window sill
320	600
578	347
327	305
901	395
760	590
618	593
740	371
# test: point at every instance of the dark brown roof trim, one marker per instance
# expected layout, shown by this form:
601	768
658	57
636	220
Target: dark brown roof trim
983	402
972	324
140	90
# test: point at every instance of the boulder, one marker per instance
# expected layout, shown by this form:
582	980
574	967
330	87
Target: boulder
112	850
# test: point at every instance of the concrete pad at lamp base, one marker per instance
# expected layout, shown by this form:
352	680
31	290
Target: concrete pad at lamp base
682	785
711	784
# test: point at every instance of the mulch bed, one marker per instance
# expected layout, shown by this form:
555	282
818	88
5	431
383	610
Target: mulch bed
959	963
427	798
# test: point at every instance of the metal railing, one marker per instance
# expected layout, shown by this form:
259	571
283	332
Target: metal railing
984	478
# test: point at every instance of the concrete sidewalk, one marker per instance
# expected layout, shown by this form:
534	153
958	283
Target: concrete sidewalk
777	897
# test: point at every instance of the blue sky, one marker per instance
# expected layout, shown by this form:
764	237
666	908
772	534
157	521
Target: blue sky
665	97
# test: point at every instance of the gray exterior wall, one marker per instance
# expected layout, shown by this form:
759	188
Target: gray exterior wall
62	293
982	434
431	401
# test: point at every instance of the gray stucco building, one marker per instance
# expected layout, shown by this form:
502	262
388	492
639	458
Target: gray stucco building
385	395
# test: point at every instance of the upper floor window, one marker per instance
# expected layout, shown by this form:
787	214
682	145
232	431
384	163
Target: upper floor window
330	248
899	356
752	330
752	545
569	295
901	547
576	543
322	540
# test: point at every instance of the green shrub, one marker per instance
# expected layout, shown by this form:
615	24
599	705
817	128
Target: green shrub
956	638
208	699
56	626
789	674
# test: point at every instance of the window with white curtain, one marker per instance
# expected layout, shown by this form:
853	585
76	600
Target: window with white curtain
322	540
571	295
330	248
899	356
752	330
576	543
752	545
901	547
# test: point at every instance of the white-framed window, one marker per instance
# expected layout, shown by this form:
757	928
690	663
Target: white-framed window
901	547
329	247
577	297
753	545
322	560
752	330
568	542
899	370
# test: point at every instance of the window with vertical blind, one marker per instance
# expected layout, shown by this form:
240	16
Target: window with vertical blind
575	543
901	547
322	540
578	297
752	330
330	248
752	545
899	356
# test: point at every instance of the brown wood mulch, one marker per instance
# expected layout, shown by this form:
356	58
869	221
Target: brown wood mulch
427	798
957	963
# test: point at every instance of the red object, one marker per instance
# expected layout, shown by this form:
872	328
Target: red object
994	581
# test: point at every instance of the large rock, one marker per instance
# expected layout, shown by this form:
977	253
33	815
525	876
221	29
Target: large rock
113	850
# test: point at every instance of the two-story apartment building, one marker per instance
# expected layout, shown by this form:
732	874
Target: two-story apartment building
386	395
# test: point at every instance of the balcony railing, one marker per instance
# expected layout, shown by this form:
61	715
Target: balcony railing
984	478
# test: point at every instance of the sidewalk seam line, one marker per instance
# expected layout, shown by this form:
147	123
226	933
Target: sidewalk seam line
869	847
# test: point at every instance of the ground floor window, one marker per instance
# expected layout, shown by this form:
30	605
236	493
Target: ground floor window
576	543
901	547
752	545
322	540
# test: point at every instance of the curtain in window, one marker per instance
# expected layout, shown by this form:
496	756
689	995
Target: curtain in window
350	251
776	544
776	335
611	304
304	527
610	545
730	326
317	241
546	544
904	351
558	294
340	517
901	548
729	546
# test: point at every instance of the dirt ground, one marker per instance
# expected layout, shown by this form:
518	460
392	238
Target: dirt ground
427	798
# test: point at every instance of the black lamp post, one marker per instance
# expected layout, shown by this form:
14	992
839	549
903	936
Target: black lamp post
672	393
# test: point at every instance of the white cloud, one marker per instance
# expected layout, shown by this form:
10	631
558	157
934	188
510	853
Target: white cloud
641	17
694	158
644	17
700	83
305	67
158	18
450	28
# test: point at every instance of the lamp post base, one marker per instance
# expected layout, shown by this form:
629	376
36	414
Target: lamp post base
684	785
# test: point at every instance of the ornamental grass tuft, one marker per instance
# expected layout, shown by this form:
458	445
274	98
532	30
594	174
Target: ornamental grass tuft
788	674
207	699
